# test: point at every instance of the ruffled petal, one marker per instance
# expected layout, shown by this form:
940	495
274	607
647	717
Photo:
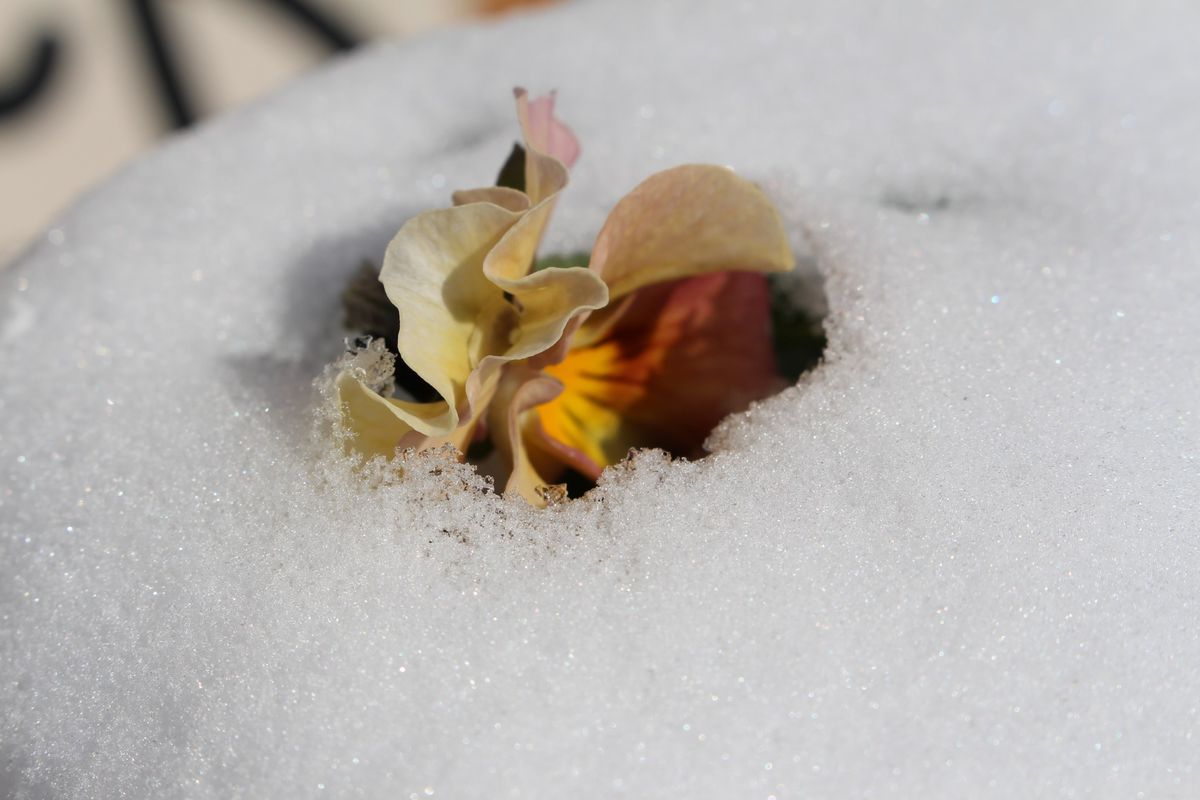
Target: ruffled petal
686	221
502	196
371	420
512	425
433	274
546	300
681	357
470	305
468	302
542	304
378	425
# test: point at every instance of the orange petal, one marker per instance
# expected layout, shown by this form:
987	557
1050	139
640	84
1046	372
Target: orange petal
687	221
681	357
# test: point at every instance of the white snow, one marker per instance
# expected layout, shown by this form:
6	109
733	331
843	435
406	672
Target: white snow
959	559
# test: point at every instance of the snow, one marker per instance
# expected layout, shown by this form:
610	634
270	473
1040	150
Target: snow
958	559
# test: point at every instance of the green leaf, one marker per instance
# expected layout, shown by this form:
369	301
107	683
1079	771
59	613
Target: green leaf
580	258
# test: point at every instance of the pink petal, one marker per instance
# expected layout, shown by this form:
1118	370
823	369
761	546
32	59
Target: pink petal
544	131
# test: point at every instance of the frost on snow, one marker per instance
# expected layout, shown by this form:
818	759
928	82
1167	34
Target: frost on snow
959	559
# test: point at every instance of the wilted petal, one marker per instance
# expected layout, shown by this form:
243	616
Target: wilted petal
433	274
686	221
544	131
682	356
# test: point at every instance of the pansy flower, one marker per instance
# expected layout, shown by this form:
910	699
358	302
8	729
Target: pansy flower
666	331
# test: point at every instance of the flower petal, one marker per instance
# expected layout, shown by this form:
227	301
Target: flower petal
547	300
510	422
502	196
469	302
544	131
460	279
545	175
682	356
378	425
433	274
374	427
686	221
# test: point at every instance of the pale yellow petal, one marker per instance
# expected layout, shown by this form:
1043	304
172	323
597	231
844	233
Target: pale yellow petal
542	303
503	196
549	299
512	257
375	427
686	221
433	274
545	175
545	300
521	389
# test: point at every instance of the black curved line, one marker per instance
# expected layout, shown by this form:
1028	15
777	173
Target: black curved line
173	89
179	106
34	79
324	25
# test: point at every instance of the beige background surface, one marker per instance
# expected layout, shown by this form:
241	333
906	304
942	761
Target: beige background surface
101	107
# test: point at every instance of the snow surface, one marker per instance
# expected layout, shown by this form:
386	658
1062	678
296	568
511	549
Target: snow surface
959	559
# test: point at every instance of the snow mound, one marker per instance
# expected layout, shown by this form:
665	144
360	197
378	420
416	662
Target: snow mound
958	559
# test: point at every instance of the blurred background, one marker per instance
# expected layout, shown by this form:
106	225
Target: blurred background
85	85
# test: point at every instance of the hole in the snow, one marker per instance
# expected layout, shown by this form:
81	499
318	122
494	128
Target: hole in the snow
674	361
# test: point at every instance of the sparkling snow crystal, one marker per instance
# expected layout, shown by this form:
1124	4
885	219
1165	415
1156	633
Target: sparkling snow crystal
959	559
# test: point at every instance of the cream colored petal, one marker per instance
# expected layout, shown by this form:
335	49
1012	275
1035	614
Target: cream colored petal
685	221
433	274
542	303
512	257
545	176
546	300
510	422
502	196
375	426
550	298
460	279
